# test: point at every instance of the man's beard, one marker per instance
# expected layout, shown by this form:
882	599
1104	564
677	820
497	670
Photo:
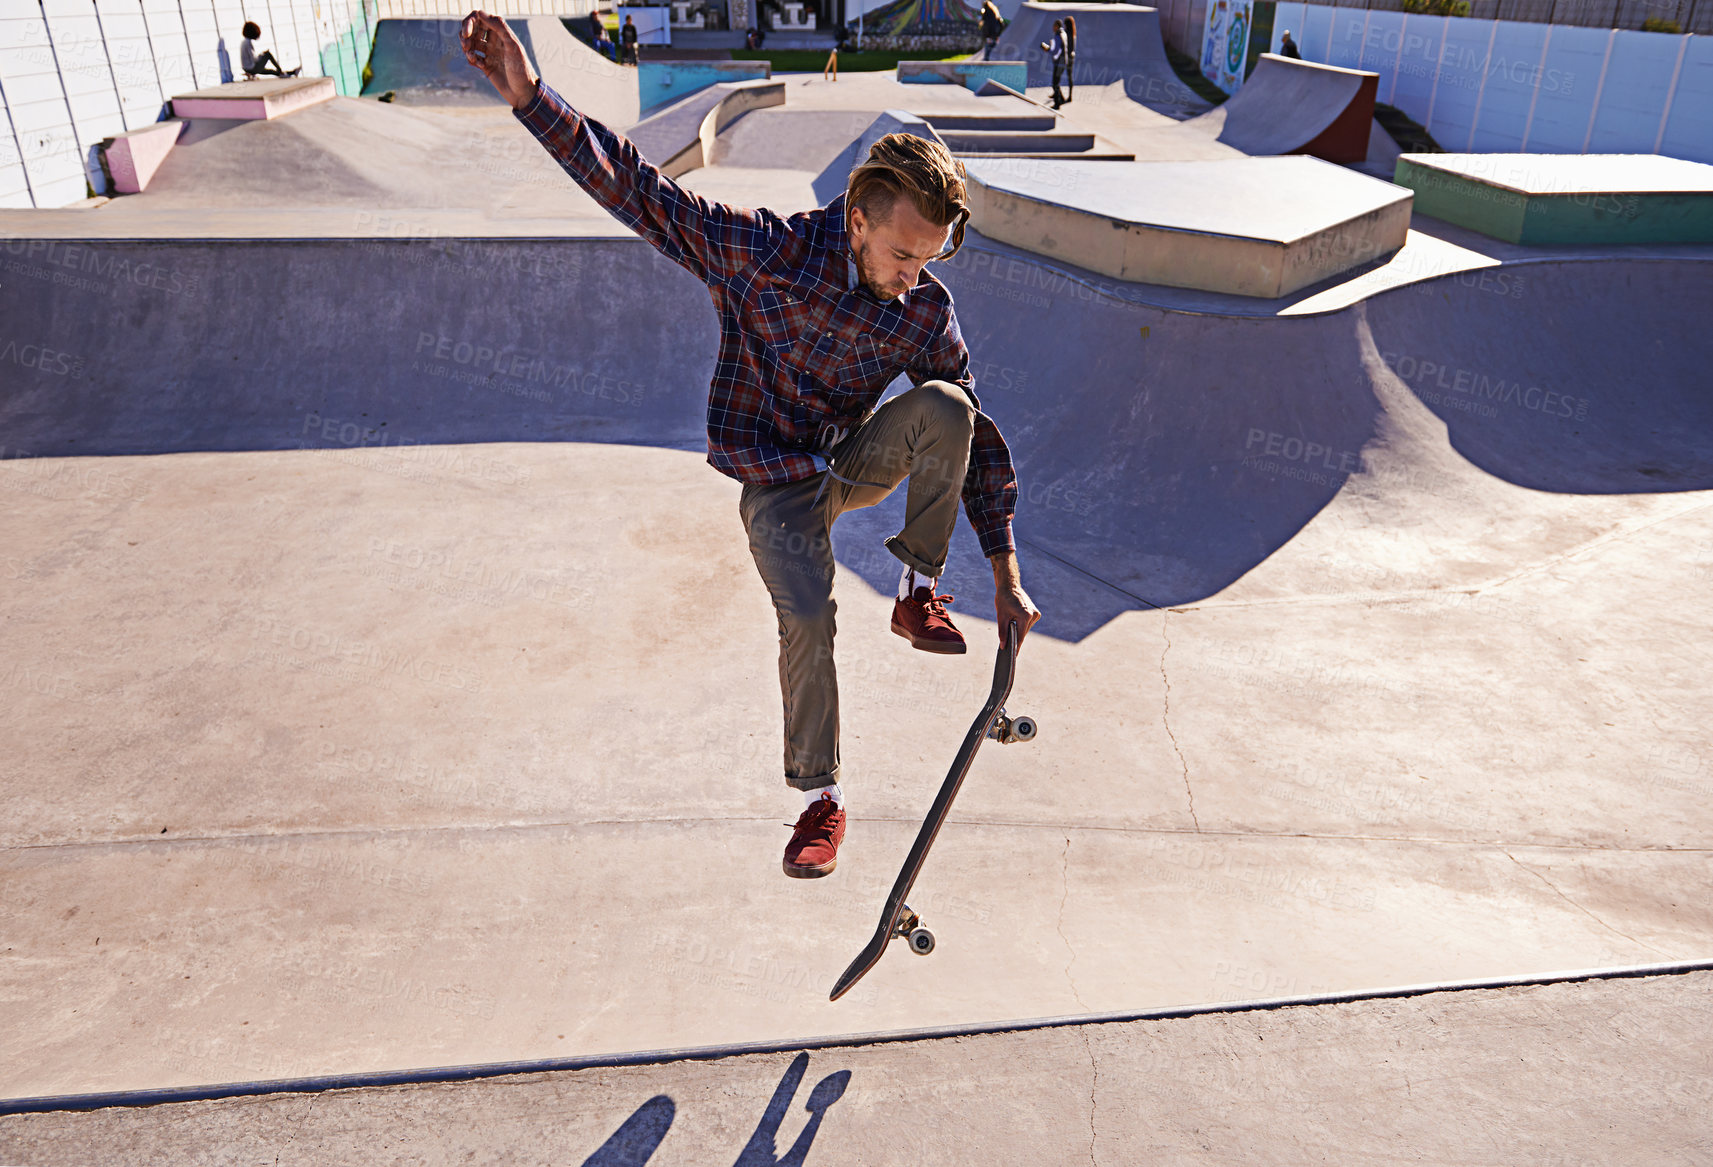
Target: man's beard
863	269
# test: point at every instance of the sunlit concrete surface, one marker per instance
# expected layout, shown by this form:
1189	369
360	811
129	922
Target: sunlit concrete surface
1363	663
1591	1072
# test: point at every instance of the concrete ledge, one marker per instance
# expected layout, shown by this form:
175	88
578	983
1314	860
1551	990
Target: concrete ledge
680	138
1262	227
972	75
1565	198
254	100
133	157
472	1073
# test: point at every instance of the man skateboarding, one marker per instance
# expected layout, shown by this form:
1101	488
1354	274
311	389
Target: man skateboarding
818	314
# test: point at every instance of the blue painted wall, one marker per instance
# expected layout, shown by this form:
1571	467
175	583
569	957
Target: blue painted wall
663	82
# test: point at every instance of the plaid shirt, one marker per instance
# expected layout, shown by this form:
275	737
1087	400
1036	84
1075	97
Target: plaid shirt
805	353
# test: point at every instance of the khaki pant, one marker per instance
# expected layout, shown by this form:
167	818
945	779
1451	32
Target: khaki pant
924	434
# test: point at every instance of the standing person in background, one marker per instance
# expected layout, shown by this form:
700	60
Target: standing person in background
1288	47
841	34
992	24
627	41
1055	49
1070	58
252	64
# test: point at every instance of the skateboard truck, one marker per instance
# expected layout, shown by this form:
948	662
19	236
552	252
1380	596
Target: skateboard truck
910	928
1007	729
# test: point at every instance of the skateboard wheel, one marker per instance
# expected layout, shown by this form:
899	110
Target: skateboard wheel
1022	728
921	941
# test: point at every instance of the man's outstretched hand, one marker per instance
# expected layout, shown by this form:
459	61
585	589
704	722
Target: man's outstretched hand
491	46
1010	601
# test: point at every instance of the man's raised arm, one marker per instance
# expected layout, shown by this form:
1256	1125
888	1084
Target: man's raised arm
712	240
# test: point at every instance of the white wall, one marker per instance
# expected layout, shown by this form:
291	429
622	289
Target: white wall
73	72
1504	86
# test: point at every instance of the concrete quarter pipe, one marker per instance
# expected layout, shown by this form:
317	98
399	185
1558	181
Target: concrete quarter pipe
1297	107
1115	43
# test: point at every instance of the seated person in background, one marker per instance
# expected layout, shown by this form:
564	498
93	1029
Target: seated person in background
265	63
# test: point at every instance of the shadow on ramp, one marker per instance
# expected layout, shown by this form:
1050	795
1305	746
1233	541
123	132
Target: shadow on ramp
1161	455
1575	378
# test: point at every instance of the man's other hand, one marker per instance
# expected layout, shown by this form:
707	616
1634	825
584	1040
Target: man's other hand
490	46
1010	601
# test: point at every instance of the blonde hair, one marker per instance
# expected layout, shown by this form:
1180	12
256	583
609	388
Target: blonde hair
923	170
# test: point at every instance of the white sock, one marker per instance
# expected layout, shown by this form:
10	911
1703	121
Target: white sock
907	583
811	797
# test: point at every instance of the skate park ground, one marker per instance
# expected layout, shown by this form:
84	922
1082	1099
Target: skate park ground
376	706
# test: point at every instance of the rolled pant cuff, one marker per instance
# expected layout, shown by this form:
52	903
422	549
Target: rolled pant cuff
919	566
814	781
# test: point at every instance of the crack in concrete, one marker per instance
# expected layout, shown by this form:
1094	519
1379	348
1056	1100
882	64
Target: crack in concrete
1093	1097
1583	910
1064	897
1166	721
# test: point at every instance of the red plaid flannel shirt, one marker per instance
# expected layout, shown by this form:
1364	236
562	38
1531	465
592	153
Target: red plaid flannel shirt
803	355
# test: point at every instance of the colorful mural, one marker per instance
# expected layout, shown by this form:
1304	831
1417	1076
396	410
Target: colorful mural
919	17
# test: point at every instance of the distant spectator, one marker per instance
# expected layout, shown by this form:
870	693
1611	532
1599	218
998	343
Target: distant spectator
604	45
755	39
1055	49
1070	59
841	34
264	64
1288	47
627	41
597	27
992	24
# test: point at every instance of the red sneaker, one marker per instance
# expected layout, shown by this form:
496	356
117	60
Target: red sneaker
922	620
814	847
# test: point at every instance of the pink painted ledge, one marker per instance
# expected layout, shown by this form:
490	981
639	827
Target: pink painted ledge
255	100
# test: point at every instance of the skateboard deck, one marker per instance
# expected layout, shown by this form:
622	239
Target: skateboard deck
896	918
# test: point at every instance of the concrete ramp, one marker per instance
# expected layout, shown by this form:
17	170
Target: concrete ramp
830	183
422	63
1297	107
605	91
1115	43
362	158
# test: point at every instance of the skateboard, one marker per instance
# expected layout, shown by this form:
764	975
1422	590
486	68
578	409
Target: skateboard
897	921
